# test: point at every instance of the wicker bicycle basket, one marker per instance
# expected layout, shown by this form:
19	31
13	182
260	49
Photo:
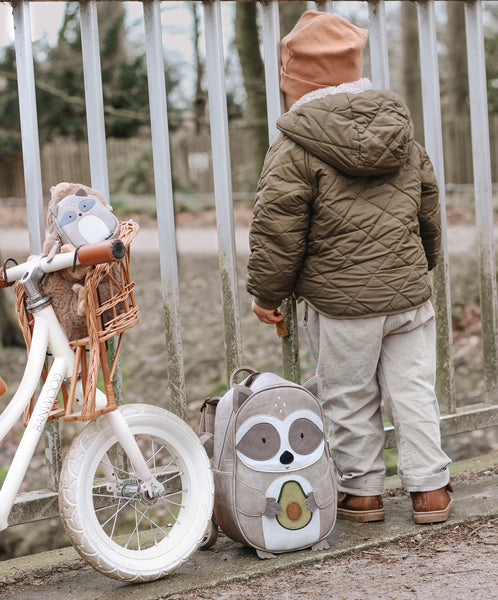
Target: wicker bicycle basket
110	310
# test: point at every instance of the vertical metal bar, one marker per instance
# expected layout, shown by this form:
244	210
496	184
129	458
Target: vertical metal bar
33	183
378	44
29	125
94	97
222	183
445	385
483	192
271	54
94	101
271	50
165	206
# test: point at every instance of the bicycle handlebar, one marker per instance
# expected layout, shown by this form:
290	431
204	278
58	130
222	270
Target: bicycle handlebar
87	255
101	252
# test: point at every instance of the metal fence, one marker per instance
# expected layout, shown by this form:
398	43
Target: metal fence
43	503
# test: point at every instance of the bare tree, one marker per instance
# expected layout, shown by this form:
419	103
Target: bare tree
247	40
457	121
200	99
411	66
289	13
456	63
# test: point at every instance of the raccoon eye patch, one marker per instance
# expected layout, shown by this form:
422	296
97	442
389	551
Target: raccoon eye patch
304	436
87	204
67	218
261	442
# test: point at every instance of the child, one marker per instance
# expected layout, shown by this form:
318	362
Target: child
347	219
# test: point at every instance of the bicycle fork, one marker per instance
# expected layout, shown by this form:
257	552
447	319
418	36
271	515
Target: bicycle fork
150	485
20	463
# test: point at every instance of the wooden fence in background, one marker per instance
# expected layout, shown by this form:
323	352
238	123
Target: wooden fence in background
67	160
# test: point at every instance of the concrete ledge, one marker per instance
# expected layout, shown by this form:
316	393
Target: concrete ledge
59	574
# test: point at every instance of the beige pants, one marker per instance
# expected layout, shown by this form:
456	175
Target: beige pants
366	362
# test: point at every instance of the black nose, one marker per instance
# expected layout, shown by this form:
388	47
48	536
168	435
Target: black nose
286	458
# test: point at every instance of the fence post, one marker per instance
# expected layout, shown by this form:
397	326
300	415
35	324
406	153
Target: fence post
445	384
94	101
378	44
29	125
94	97
222	184
271	48
483	192
165	205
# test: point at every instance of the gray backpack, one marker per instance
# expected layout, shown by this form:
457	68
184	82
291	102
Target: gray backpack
275	486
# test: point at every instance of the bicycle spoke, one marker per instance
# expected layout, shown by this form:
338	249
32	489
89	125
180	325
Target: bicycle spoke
127	473
108	506
173	476
170	495
135	530
145	515
106	496
175	517
118	511
111	535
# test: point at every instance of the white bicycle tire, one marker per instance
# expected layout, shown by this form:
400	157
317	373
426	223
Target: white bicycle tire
81	486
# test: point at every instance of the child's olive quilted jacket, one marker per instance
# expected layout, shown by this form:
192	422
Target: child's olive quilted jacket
346	213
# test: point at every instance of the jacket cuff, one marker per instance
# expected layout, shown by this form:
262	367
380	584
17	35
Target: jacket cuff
267	304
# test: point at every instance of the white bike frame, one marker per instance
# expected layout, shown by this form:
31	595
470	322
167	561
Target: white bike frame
49	334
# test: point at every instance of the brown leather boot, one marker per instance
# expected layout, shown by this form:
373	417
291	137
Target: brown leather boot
361	509
432	507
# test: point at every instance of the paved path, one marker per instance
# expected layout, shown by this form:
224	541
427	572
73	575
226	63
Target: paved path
203	240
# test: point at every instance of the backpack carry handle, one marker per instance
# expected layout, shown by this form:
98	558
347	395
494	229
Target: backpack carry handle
238	370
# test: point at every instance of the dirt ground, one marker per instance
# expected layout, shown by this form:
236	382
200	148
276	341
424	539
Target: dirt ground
456	564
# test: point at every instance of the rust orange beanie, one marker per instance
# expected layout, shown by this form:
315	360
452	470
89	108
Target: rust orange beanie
322	50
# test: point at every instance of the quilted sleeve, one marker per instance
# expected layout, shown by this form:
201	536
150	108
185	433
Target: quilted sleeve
280	223
429	214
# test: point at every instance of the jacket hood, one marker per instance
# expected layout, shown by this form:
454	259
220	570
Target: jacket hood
359	133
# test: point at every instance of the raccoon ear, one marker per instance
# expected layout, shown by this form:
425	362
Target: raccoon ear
240	394
81	192
314	385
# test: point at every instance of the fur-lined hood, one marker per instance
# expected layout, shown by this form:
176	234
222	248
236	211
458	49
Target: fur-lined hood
354	128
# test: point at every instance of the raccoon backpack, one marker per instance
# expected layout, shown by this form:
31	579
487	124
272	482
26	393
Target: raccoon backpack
275	487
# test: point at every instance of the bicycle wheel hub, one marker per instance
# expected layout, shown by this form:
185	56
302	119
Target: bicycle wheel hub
129	488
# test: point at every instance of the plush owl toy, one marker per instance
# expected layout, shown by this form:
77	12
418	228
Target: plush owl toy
76	215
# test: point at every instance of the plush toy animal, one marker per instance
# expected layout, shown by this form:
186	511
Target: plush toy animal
77	214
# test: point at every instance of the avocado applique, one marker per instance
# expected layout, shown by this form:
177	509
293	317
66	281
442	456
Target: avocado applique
294	513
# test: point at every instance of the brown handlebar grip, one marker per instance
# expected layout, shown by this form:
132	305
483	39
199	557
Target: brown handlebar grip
101	252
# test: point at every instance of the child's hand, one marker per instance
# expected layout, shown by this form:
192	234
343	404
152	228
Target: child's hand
267	315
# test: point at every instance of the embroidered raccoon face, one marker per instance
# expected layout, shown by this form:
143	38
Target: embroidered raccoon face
82	219
266	443
280	429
